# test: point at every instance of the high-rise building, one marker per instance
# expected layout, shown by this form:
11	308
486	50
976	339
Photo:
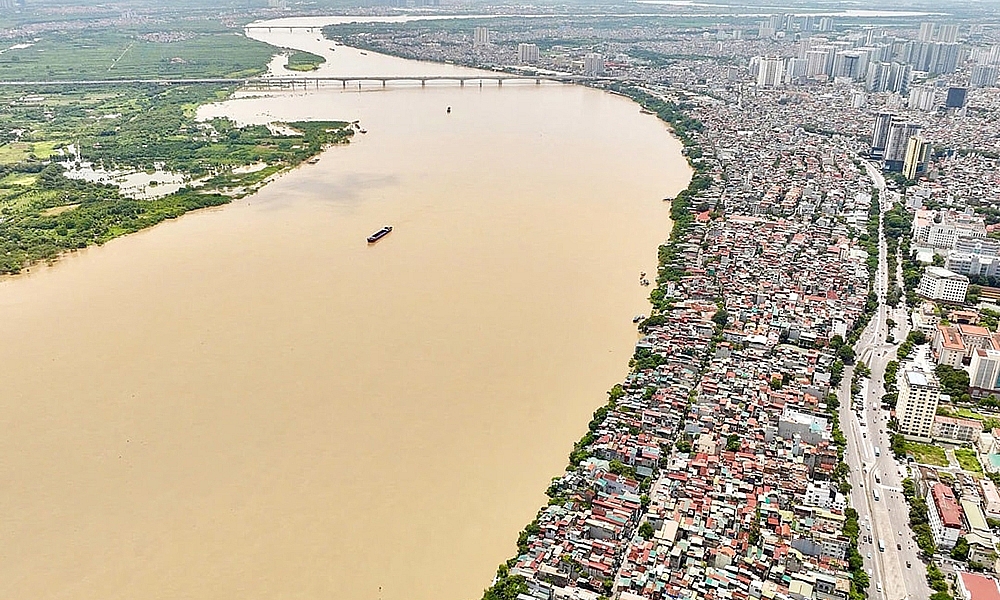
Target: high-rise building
880	135
770	71
816	63
916	405
918	150
848	63
481	37
947	33
985	370
921	97
926	33
795	68
895	145
593	65
888	77
956	97
983	76
527	53
825	24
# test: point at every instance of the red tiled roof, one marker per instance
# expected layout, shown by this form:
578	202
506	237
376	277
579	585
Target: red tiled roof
944	499
979	587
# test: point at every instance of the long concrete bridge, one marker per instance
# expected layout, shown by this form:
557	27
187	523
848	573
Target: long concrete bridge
283	28
304	81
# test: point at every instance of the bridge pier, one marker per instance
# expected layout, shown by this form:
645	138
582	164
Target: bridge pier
461	83
423	83
383	83
499	82
344	82
538	82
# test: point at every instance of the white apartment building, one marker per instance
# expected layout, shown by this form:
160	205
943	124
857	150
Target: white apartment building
480	37
948	346
593	65
957	429
918	400
942	284
921	97
944	515
824	495
952	227
984	370
527	53
770	71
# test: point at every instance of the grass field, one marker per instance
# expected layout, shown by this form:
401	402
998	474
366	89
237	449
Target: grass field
123	54
965	413
967	458
18	179
304	61
927	454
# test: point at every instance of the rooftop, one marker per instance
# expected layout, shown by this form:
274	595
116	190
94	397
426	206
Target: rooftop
979	587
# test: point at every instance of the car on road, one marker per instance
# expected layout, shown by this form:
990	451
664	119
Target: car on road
869	556
907	564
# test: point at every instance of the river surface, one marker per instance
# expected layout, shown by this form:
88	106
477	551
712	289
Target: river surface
250	402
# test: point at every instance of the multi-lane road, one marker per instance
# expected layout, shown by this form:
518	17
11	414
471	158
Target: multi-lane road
896	571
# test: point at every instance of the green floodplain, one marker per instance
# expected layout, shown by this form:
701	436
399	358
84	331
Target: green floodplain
45	132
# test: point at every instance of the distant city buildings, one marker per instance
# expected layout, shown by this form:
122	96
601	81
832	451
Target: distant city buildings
770	71
956	97
480	37
917	152
527	53
593	65
921	97
896	143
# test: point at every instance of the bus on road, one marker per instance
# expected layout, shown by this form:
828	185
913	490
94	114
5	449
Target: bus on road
875	494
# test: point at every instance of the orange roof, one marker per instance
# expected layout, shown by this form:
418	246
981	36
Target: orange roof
975	330
950	338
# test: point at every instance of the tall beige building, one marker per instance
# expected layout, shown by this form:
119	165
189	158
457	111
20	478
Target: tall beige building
919	391
527	54
480	37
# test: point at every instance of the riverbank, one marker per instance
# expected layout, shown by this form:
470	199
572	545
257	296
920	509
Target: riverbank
623	399
81	167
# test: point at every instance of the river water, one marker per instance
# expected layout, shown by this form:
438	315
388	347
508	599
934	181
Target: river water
250	402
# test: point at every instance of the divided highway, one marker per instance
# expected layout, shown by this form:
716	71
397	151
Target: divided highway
897	573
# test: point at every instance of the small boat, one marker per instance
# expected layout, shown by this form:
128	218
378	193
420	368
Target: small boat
638	318
381	233
646	112
313	160
643	281
362	131
449	110
642	275
363	53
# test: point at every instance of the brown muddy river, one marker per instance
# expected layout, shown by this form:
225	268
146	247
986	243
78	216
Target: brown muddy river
251	402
